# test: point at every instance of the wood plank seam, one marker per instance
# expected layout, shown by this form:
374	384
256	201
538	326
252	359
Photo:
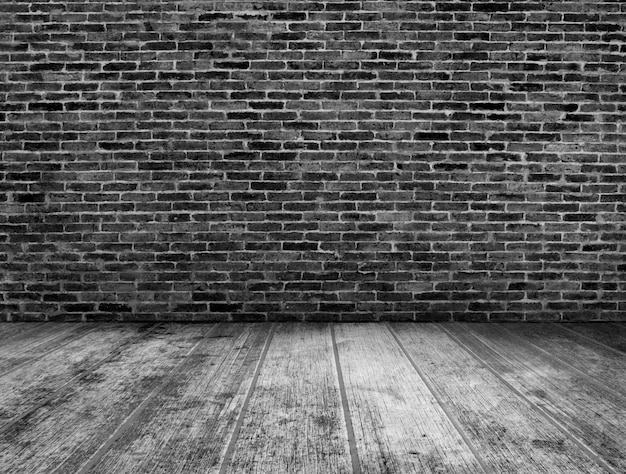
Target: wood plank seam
592	380
230	449
590	339
95	457
50	351
354	455
444	406
66	385
36	327
48	340
573	438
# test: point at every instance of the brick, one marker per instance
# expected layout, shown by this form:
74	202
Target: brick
313	161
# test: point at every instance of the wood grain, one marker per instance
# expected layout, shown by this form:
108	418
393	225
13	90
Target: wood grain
398	424
295	422
314	398
186	427
14	330
604	366
510	436
593	417
32	344
60	436
611	335
33	384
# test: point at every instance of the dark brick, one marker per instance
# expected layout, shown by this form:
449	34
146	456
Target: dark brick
342	161
30	198
114	307
431	136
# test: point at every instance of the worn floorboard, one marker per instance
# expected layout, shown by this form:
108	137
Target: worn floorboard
14	331
295	420
24	347
603	366
62	435
588	415
186	427
34	384
610	335
398	424
507	432
312	398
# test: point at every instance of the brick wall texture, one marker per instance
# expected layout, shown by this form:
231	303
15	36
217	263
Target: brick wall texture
313	160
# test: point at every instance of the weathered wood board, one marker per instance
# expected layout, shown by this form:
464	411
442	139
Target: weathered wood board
35	382
295	420
399	426
187	426
63	434
611	335
312	398
509	435
586	413
26	346
12	331
604	366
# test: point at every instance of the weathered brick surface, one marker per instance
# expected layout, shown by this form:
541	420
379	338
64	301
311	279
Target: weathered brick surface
318	160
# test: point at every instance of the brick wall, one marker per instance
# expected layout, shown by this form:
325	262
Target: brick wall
317	160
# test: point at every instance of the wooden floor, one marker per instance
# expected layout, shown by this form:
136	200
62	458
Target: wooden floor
313	398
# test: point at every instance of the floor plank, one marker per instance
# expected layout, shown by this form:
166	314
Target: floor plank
32	385
226	398
69	428
593	417
186	427
32	344
398	424
23	335
13	330
604	366
295	421
510	436
611	335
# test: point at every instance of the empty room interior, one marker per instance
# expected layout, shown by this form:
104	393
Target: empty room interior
312	236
